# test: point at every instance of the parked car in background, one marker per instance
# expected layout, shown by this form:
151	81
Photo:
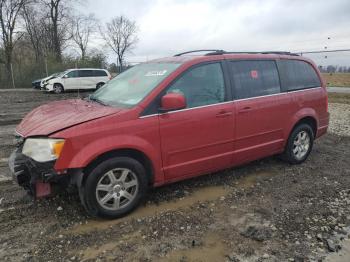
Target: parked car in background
38	84
44	80
72	79
171	119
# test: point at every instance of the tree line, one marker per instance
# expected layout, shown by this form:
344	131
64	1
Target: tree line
38	37
334	69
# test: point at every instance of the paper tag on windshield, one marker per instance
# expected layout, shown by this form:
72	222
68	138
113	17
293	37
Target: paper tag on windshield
155	73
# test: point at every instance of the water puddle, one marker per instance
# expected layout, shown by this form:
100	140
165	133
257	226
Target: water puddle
212	249
202	194
91	253
250	180
342	255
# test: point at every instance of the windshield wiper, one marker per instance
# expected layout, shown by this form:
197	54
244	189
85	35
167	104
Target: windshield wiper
94	99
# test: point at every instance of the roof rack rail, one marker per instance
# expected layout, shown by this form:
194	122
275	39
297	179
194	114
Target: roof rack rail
201	50
222	52
256	52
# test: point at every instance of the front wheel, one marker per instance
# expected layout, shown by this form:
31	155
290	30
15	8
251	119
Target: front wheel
299	144
58	88
115	187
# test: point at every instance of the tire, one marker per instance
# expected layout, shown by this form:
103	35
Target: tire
58	88
99	85
103	197
299	144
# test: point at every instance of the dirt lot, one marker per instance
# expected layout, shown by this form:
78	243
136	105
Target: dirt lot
337	79
264	211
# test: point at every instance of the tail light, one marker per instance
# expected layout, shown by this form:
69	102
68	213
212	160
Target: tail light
109	77
326	101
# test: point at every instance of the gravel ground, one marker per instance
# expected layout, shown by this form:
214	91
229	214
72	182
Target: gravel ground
340	119
264	211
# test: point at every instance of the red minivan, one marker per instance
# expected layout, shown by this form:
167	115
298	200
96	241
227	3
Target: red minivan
171	119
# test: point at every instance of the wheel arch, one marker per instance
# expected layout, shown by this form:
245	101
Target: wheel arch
310	120
58	83
100	83
123	152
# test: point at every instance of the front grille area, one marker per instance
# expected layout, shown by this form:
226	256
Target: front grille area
18	139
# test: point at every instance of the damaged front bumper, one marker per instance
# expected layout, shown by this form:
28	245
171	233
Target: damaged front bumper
35	177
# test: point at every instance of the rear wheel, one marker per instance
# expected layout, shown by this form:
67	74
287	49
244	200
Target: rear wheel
115	187
299	144
58	88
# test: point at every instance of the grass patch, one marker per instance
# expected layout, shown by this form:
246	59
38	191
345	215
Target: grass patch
339	98
337	79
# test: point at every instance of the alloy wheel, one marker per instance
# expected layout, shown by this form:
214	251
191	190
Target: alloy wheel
117	189
301	144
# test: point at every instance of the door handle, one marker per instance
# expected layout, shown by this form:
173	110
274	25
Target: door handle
245	109
224	113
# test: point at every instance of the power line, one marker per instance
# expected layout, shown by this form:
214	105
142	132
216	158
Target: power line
324	51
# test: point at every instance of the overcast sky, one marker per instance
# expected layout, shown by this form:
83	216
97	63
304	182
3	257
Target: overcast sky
167	27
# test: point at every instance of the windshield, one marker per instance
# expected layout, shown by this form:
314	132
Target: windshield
55	74
131	86
62	73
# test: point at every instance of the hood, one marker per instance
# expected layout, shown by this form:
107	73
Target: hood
58	115
49	78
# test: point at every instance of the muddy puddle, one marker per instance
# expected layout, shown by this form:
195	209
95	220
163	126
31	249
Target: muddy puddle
208	193
250	180
343	255
202	194
212	249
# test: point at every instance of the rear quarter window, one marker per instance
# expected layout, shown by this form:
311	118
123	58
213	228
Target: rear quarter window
296	75
86	73
254	78
100	73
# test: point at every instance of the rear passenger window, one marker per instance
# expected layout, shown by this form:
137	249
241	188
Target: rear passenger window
201	85
254	78
100	73
297	74
86	73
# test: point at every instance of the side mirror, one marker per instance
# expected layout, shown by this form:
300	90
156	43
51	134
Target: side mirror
65	76
172	101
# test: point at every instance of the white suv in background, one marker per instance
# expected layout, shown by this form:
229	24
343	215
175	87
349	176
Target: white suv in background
82	78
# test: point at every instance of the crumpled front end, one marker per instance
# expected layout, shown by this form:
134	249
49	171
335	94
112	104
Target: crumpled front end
37	178
33	176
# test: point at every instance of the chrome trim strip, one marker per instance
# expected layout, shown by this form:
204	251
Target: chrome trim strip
281	93
304	89
186	109
255	97
148	116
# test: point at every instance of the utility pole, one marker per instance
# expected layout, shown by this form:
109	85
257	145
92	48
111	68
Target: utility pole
47	73
13	80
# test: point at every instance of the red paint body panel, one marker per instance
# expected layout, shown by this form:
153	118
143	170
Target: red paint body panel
184	143
197	140
58	115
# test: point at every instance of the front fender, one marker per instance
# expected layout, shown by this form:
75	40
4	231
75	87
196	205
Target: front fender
78	155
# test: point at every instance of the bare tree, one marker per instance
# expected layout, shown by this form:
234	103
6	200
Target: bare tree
59	19
9	11
120	36
82	29
35	29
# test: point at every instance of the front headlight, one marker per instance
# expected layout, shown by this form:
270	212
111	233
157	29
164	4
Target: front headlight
43	149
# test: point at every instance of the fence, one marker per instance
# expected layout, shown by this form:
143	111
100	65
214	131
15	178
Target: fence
24	72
